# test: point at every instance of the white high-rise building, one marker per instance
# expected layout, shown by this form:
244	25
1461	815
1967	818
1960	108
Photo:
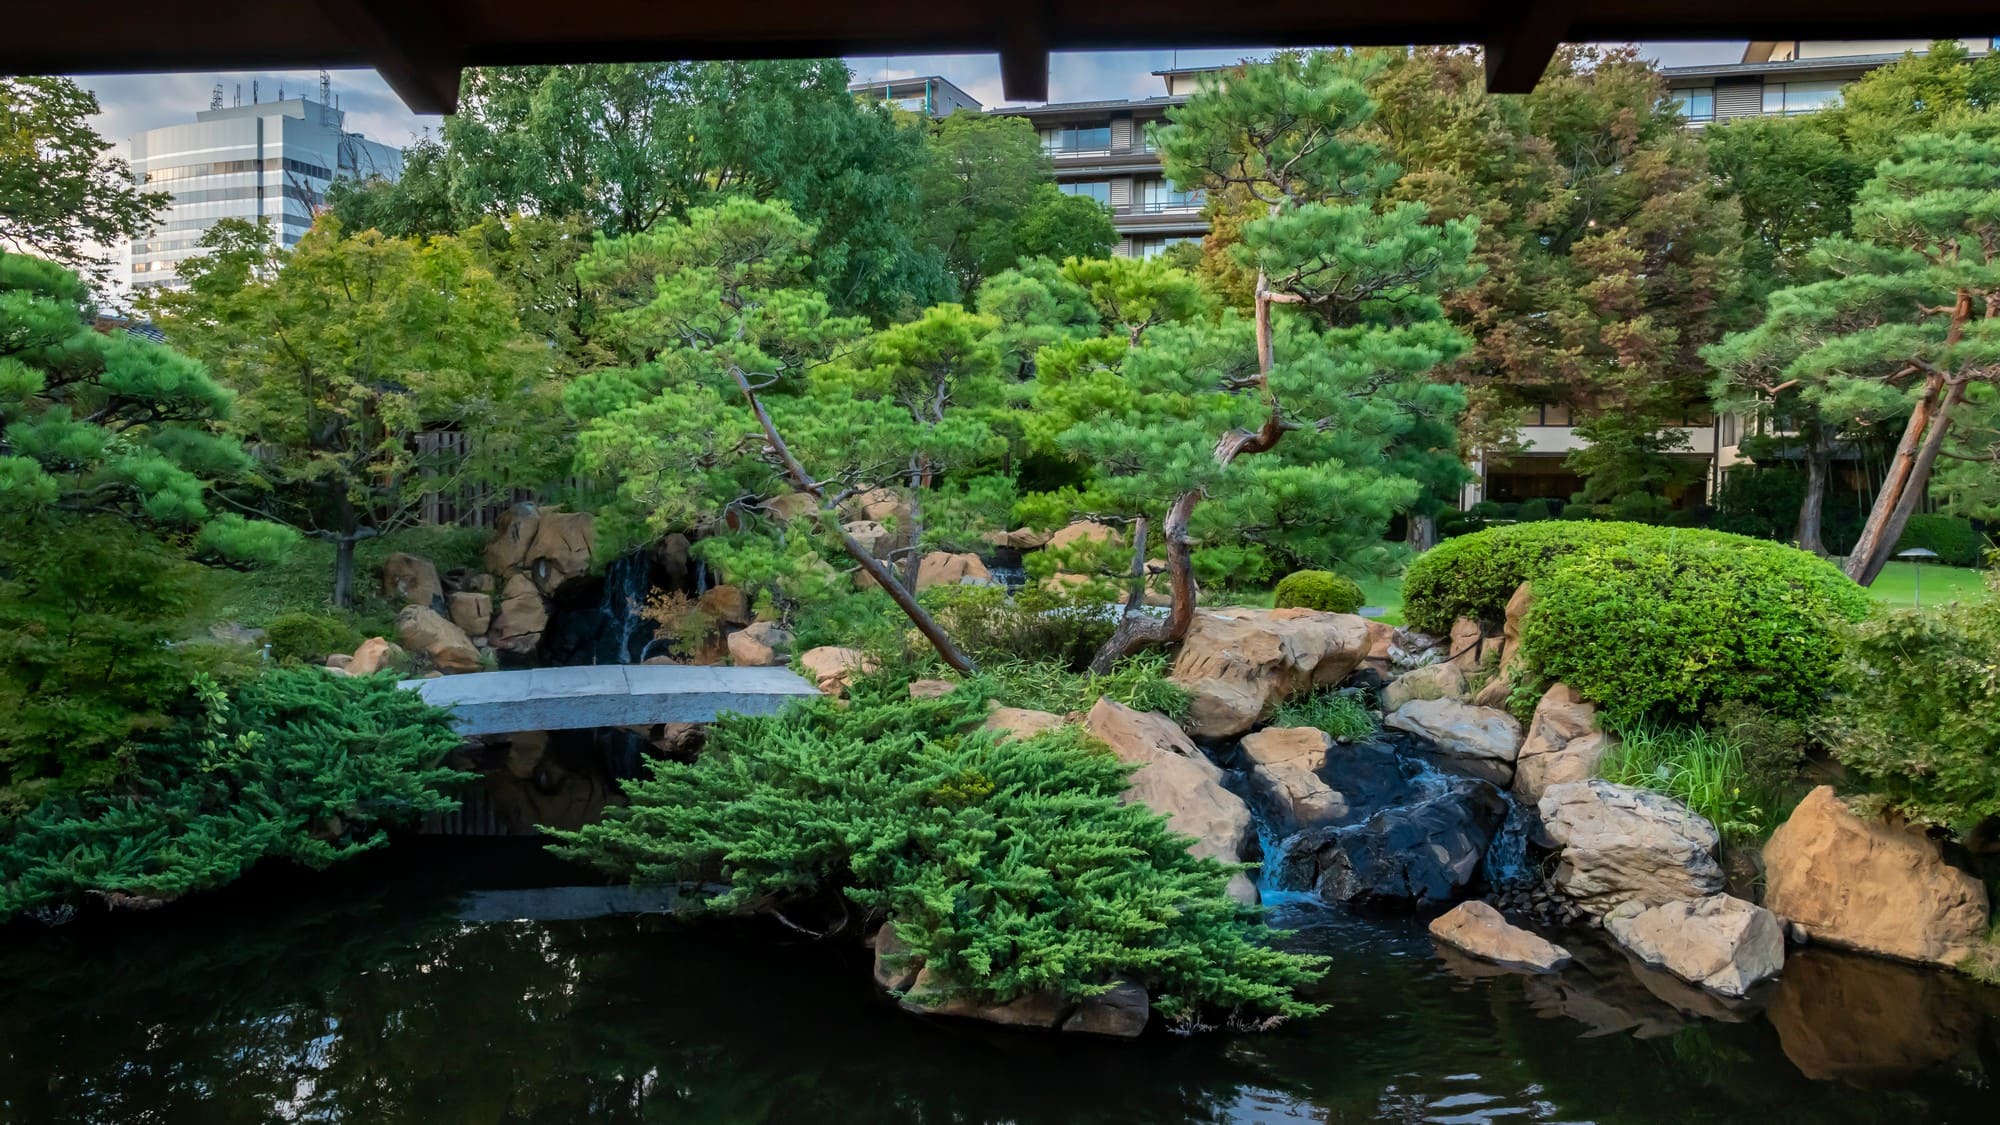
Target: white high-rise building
272	160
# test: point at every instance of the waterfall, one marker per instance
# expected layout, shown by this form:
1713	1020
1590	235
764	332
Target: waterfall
627	581
1506	866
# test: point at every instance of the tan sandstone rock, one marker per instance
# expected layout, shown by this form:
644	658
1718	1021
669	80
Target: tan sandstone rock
471	612
726	604
1122	1012
1841	1017
424	630
1720	942
372	656
1177	780
931	689
929	996
411	579
1621	844
1466	639
1287	760
875	538
1563	744
1867	885
1080	532
788	506
520	616
760	644
1477	930
942	568
833	668
895	970
1239	663
1482	741
560	550
1432	681
1021	722
513	532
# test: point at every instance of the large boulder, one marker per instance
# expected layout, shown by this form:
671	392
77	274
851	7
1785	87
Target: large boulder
833	668
725	604
412	580
1420	853
422	629
1239	663
513	531
1866	885
1432	681
942	568
788	506
1621	844
560	550
470	611
520	616
1467	639
1720	942
1285	763
895	969
1120	1012
1176	779
882	505
875	538
1563	744
760	644
1081	531
1477	930
1481	741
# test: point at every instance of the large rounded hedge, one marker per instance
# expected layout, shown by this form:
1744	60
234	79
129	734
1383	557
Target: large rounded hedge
1474	575
1663	627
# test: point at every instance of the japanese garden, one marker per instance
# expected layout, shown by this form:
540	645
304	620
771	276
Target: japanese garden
713	597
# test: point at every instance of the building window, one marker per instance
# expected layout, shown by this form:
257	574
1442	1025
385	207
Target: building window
1099	190
1695	105
1154	247
1070	140
1161	195
1799	97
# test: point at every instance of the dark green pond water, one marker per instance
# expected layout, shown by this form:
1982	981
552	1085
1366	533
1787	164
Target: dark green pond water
360	995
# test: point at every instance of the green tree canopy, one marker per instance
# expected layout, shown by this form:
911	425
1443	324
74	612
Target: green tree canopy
61	197
343	351
1905	323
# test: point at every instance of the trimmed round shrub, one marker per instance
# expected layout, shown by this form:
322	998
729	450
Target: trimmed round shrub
308	638
1474	575
1955	540
1536	510
1665	626
1318	589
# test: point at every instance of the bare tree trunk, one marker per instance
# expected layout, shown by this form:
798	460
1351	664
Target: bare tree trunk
1135	631
829	515
1423	532
1136	596
1870	544
913	565
1812	508
1913	489
343	547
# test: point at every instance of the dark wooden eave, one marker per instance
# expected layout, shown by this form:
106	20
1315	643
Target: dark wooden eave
420	46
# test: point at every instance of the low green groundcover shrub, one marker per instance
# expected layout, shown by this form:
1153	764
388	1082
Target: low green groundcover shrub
1667	626
1008	869
1318	589
1916	712
295	765
1955	540
308	638
1138	681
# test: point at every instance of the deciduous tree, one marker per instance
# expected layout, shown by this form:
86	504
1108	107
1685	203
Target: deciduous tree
61	197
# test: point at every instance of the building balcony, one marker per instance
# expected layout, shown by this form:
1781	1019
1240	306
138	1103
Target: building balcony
1545	440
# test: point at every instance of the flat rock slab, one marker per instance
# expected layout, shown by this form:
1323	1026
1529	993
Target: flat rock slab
608	695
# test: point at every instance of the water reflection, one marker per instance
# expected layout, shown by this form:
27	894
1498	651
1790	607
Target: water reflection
361	996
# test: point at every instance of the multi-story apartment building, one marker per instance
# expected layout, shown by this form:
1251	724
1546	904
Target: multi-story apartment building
271	161
1099	149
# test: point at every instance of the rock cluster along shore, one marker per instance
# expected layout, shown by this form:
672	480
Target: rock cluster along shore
1456	800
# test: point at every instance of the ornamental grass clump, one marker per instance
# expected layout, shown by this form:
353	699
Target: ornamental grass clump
1702	769
1008	869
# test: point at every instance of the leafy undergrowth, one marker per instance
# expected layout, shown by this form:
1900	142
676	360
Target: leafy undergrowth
1008	869
1339	714
302	582
1701	768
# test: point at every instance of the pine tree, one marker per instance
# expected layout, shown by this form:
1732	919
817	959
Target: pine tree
1906	321
1336	382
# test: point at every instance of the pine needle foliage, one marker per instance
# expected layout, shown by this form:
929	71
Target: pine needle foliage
1008	869
296	765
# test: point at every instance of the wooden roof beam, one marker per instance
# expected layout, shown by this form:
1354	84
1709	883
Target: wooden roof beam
1024	52
408	47
1524	38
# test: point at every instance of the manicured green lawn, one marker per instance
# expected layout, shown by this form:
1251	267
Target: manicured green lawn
1897	585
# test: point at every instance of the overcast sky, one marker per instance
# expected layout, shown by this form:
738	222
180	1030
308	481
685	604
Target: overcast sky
134	103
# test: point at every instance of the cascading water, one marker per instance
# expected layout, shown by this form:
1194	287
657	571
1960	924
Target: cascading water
627	581
1506	868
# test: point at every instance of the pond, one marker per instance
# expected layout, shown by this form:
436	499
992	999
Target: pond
366	994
